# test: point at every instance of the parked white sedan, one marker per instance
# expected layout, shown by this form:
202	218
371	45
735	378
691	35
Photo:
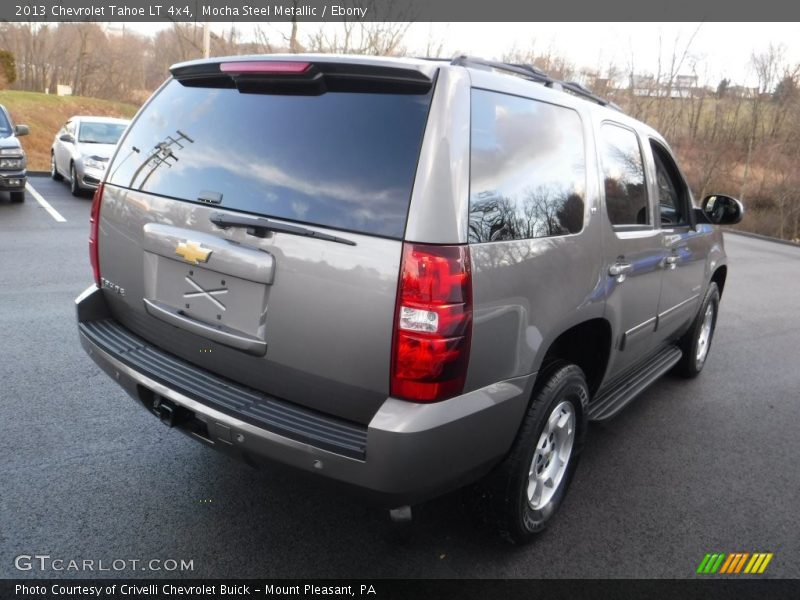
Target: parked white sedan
81	150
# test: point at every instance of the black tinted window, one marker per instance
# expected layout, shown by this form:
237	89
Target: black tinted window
342	160
672	191
528	169
623	176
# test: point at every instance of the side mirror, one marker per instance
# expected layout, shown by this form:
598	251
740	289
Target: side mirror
21	130
722	210
65	137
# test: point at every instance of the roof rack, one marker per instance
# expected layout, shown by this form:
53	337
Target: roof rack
534	74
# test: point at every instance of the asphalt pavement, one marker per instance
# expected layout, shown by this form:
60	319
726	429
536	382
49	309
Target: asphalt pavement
709	465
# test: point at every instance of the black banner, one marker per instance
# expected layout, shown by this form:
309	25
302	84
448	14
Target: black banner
465	589
395	10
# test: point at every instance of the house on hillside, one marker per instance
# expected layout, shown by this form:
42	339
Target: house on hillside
682	86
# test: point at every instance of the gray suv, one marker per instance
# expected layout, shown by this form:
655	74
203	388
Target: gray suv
406	275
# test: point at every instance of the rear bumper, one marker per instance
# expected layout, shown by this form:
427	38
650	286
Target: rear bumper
408	452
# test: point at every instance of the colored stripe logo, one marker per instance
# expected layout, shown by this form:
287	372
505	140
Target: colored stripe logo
734	563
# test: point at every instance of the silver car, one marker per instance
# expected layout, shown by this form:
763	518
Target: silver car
402	274
81	150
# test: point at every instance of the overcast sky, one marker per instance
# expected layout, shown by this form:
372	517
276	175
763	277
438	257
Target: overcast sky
719	49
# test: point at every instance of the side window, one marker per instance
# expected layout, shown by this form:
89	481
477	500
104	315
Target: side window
672	191
527	169
623	177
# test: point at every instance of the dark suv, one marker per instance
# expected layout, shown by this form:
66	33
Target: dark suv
406	275
13	162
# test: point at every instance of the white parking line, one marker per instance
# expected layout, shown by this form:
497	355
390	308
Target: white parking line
45	204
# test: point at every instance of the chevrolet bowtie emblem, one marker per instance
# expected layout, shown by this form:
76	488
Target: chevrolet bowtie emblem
192	252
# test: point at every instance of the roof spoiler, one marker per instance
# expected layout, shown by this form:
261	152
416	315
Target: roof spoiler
301	76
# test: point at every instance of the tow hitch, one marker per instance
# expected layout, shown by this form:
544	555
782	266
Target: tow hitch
169	413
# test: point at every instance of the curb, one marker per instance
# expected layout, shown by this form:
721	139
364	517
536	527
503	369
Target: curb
765	238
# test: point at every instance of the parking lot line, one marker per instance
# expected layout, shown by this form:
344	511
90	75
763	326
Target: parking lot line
45	204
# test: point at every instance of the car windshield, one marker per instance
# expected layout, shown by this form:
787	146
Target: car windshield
100	133
5	126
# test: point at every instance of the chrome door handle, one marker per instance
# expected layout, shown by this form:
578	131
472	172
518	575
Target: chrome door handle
618	269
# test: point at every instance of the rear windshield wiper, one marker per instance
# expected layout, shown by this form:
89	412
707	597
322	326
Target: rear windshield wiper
259	226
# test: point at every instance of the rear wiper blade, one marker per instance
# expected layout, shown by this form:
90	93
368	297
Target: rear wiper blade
259	225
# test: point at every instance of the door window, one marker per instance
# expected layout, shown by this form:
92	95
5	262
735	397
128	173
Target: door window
623	177
672	190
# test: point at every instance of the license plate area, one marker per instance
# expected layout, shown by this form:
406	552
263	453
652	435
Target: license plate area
217	299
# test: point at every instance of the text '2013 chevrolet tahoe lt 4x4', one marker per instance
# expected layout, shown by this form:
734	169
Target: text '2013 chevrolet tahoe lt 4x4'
406	275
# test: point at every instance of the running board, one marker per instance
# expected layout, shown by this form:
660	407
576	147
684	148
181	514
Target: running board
619	395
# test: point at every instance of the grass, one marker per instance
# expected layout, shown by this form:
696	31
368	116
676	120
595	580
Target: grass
46	113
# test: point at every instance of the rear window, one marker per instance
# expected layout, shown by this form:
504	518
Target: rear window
342	160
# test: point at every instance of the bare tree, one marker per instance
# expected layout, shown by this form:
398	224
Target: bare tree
549	60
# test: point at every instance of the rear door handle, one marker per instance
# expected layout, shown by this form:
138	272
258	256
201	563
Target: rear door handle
620	269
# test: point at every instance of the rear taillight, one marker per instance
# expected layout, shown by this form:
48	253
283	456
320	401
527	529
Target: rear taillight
433	324
94	227
265	67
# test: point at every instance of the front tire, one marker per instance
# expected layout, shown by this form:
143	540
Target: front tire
696	342
18	197
74	186
53	169
528	487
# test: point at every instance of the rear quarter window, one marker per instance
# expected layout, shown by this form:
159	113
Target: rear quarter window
341	160
528	169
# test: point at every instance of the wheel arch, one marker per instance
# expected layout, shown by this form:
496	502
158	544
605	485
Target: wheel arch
587	345
719	276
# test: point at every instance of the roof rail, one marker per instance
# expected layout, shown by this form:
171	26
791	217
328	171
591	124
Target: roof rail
534	74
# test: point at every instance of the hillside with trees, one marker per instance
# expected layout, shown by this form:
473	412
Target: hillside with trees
46	113
744	141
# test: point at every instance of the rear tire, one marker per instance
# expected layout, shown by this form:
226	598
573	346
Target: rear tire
18	197
527	488
696	342
53	170
74	186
